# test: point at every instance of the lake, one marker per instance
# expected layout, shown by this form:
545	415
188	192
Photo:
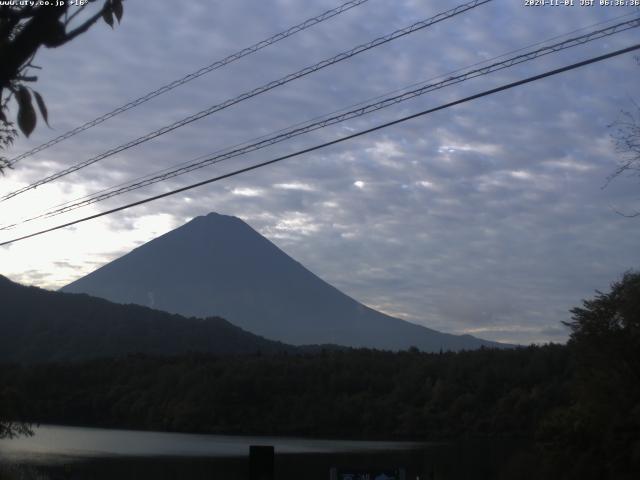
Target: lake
61	452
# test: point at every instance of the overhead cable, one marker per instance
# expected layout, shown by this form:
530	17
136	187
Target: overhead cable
310	22
343	109
257	91
334	142
358	112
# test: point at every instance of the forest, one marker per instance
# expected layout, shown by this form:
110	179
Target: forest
357	393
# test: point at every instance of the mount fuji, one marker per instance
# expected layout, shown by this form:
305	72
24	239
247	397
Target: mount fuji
218	265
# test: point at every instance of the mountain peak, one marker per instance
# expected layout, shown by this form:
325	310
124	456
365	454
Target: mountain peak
226	224
213	218
216	215
219	217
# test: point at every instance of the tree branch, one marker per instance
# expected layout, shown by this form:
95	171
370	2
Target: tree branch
79	10
86	25
42	29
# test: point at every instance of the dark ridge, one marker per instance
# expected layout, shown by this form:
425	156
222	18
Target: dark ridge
42	326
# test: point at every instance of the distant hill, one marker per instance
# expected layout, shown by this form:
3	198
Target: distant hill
38	325
219	265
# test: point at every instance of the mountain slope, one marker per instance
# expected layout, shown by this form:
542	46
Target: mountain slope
39	325
218	265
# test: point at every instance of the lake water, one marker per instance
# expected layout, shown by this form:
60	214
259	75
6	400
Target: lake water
59	443
59	452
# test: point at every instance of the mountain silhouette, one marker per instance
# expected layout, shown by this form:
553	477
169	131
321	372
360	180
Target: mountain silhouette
218	265
43	326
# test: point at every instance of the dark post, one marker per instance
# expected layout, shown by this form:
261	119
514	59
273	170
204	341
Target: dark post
261	462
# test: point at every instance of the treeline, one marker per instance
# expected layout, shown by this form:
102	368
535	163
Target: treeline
352	393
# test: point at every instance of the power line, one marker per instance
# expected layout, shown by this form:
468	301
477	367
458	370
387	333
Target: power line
343	109
310	22
257	91
336	141
290	133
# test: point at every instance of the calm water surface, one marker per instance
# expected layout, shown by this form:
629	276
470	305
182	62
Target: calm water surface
70	453
53	442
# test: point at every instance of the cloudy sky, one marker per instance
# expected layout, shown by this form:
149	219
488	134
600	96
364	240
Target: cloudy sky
488	218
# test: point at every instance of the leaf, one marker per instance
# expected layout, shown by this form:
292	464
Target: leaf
42	107
26	112
107	15
117	9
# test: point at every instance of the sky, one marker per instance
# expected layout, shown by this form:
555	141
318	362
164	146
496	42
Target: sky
492	218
